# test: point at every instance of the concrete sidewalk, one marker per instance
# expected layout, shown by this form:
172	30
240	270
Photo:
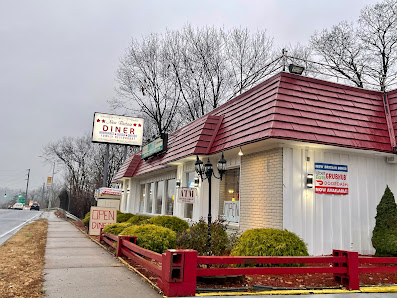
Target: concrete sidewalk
77	267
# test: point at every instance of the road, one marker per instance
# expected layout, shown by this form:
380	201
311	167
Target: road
12	220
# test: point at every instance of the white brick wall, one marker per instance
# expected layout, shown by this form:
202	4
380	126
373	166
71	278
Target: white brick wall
261	192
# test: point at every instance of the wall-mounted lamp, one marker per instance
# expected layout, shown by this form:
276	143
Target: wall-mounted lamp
128	190
178	183
196	181
296	69
309	181
240	153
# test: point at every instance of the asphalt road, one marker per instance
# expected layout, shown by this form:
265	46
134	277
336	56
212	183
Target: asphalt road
12	220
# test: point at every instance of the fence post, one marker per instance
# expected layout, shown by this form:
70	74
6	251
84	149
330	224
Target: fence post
179	272
100	235
350	279
118	248
120	243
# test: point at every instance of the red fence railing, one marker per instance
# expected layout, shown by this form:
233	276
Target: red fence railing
178	269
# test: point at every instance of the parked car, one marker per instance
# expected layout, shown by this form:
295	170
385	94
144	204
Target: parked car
18	206
35	206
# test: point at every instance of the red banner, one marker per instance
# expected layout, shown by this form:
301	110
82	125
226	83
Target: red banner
332	190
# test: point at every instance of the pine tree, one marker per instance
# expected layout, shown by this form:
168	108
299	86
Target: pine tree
384	235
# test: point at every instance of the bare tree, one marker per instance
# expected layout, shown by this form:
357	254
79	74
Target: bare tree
83	163
342	52
249	57
378	31
143	79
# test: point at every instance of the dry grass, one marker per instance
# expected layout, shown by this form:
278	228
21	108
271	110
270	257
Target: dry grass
22	261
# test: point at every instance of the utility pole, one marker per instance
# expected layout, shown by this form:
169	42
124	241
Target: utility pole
106	167
52	187
27	186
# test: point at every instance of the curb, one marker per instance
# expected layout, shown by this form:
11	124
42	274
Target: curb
386	289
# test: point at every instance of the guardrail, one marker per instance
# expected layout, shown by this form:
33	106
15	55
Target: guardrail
178	269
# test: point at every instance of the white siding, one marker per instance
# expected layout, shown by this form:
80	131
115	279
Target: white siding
327	222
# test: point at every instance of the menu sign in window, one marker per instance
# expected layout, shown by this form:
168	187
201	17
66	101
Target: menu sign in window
331	179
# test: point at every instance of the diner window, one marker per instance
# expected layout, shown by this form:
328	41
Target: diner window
229	195
150	198
142	200
188	210
171	188
159	196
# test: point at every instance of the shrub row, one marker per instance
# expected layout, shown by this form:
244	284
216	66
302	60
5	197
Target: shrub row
166	232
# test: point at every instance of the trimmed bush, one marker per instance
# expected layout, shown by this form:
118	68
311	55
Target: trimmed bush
115	228
138	219
197	238
269	242
174	223
384	235
152	237
123	217
86	220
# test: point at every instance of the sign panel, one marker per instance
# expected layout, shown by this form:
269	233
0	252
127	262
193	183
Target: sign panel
186	195
152	148
100	217
103	191
231	211
49	181
116	129
331	179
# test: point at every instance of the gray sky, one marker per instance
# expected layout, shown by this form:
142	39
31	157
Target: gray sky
58	59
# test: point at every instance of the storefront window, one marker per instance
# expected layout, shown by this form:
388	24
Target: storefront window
170	196
159	196
150	198
189	183
142	201
229	195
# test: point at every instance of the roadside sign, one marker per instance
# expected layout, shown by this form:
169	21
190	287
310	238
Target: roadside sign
100	217
49	181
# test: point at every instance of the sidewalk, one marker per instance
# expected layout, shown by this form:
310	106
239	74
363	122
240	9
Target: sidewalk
77	267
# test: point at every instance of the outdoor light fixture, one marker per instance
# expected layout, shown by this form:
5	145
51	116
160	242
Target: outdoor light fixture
128	190
309	181
296	69
178	183
240	153
196	181
206	172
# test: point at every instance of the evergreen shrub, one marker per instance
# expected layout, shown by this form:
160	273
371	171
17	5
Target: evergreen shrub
269	242
152	237
174	223
123	217
197	238
384	235
138	219
115	228
86	220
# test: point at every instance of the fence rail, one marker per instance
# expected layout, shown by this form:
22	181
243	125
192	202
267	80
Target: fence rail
178	269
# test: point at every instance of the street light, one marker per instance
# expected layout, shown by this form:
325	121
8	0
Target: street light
206	172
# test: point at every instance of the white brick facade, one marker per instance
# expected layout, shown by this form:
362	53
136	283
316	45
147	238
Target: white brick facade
261	193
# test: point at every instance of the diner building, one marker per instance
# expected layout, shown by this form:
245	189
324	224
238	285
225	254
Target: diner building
302	154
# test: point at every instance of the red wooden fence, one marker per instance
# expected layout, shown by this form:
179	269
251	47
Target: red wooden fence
177	269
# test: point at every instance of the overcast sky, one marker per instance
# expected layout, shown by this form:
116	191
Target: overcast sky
58	59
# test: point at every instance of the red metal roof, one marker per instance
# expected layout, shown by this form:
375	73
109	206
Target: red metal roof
290	107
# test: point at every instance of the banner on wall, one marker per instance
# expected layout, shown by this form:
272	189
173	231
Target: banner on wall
186	195
331	179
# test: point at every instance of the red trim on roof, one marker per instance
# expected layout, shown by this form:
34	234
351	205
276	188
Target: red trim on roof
290	107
